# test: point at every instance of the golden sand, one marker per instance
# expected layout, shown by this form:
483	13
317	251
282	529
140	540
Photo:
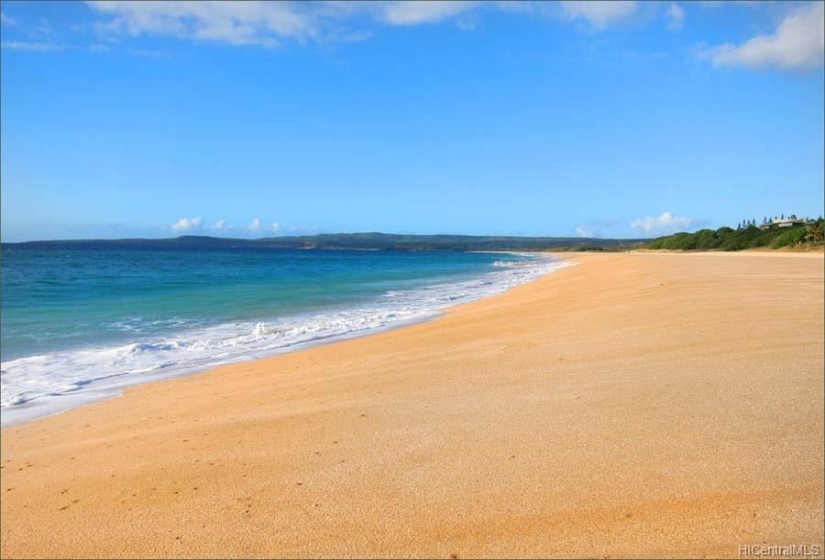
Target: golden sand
645	405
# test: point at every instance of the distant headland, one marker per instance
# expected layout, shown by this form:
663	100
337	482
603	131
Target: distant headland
349	241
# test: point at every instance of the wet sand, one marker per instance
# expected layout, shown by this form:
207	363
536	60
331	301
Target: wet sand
643	405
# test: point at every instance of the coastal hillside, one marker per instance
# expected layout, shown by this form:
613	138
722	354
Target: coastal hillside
775	234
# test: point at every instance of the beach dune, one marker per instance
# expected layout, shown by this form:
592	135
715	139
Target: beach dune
642	404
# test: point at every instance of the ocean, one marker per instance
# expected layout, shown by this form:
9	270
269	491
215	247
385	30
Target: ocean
79	325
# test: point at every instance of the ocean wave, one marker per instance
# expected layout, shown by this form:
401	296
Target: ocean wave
41	385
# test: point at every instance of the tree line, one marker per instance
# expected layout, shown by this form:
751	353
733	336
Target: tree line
773	234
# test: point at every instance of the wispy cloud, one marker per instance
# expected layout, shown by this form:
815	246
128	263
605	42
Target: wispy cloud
416	12
188	224
585	231
797	44
675	16
355	36
41	36
46	46
145	53
276	227
235	23
221	225
35	46
662	225
270	24
599	14
42	30
7	20
263	24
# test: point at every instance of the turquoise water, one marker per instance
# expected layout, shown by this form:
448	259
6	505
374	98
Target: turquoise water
80	324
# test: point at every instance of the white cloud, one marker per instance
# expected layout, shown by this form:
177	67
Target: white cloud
416	12
599	14
7	20
468	23
675	16
46	46
255	226
221	225
145	53
519	6
188	224
268	24
276	227
797	44
664	224
30	46
264	23
585	231
355	36
235	23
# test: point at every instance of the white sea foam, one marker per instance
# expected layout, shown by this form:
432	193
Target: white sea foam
38	386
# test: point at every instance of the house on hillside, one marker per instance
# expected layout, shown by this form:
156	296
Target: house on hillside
786	222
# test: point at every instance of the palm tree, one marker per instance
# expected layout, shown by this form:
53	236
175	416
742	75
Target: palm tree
815	234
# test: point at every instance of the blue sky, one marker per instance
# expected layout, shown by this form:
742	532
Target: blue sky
609	119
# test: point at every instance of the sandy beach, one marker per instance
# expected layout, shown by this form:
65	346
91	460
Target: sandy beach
633	405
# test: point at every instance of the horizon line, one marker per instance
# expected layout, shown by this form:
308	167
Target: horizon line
314	235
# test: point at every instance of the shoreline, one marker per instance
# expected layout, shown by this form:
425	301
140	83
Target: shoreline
581	414
107	387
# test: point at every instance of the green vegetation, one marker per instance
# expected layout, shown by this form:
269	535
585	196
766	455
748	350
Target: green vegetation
775	234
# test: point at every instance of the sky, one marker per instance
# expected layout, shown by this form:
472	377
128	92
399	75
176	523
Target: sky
255	119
